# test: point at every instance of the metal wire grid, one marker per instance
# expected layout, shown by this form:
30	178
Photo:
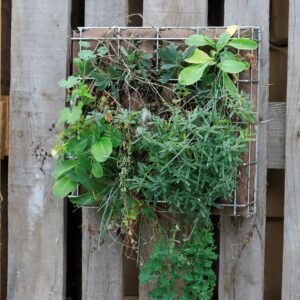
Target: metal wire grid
236	208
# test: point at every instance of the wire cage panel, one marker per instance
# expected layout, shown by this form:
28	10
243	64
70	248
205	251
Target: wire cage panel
149	39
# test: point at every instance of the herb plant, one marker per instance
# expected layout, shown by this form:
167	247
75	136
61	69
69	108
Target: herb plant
154	152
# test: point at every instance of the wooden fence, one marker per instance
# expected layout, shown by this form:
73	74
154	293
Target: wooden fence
37	223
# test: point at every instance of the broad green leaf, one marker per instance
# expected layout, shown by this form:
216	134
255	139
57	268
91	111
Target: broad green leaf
63	166
243	44
84	178
78	144
229	85
232	66
69	83
102	149
97	170
198	57
232	29
222	41
63	186
192	74
84	162
199	40
70	116
83	200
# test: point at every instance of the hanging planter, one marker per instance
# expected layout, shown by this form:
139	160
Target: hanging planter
157	135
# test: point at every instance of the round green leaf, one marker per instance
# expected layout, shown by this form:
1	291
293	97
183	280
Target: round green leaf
63	186
97	170
243	44
232	66
192	74
198	57
102	149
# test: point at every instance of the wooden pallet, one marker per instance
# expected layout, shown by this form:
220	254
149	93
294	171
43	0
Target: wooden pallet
4	126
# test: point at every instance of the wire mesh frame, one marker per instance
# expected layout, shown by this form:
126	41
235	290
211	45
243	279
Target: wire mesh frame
235	208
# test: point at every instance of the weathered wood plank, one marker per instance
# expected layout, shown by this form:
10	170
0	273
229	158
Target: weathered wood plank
102	270
276	135
106	13
291	254
36	257
102	276
170	13
175	13
242	241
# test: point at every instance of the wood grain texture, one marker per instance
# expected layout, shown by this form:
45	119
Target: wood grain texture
36	257
102	271
276	135
242	241
291	254
102	274
175	12
171	13
106	13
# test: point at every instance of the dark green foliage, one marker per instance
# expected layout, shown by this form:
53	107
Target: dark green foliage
188	264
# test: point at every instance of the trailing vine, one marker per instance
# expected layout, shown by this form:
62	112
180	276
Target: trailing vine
156	153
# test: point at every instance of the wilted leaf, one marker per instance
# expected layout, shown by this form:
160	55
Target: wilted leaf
232	29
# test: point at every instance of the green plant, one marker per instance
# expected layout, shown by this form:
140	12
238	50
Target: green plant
146	149
187	264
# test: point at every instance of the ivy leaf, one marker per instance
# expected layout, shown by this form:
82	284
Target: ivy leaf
223	41
70	116
232	66
192	74
200	40
63	167
97	170
198	57
243	44
63	186
69	83
102	149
